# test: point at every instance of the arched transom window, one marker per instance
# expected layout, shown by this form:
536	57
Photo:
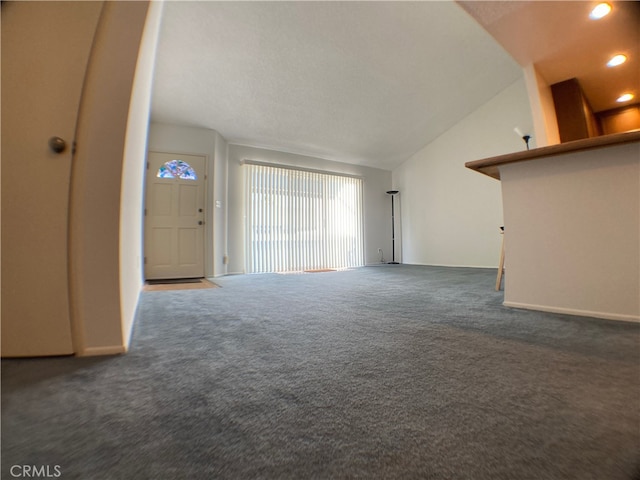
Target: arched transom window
177	169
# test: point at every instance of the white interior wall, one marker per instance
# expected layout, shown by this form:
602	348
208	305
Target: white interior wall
132	190
545	124
96	184
573	233
209	143
451	215
220	206
377	216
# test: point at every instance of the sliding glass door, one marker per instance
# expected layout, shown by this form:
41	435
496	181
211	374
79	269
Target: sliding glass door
300	220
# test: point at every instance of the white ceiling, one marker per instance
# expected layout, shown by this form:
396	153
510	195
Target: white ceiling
358	82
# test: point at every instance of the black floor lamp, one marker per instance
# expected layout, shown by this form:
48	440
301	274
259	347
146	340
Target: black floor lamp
393	229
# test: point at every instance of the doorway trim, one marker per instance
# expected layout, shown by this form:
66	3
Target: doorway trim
208	222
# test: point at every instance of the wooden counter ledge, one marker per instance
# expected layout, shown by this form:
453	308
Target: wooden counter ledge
490	166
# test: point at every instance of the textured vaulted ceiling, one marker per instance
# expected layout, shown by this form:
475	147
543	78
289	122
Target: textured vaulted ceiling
358	82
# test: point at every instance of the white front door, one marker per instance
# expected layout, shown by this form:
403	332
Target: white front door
174	216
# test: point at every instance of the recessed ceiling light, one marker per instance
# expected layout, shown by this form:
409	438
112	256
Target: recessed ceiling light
600	10
625	98
617	60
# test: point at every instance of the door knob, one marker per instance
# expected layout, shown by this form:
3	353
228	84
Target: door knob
200	222
57	144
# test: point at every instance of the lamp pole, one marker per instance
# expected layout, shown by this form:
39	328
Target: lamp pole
393	228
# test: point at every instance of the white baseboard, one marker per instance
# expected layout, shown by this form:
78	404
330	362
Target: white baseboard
494	267
97	351
573	311
128	333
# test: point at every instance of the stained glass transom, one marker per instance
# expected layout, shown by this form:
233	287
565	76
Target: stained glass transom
177	168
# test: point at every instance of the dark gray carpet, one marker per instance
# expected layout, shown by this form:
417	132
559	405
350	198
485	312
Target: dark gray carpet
378	373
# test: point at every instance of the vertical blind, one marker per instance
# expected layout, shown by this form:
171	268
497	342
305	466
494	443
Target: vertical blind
300	220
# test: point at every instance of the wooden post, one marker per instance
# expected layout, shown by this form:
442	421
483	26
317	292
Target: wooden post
501	263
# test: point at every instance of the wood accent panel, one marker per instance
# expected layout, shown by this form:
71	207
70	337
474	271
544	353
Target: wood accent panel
576	119
619	120
490	166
